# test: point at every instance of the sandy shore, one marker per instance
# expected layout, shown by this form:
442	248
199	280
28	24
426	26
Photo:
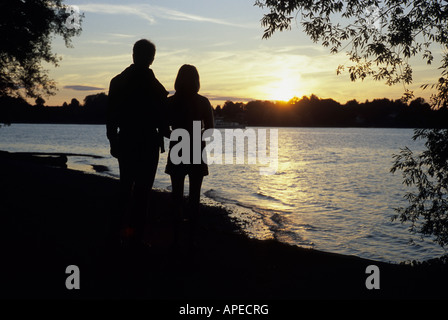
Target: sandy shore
53	217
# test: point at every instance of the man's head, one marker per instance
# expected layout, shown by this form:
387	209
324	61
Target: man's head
143	53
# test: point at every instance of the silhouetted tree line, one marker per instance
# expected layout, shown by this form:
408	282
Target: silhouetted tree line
315	112
298	112
17	110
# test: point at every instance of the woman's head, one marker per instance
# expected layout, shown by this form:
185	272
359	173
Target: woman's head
187	80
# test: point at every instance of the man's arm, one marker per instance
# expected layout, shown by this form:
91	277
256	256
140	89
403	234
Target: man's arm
163	124
112	117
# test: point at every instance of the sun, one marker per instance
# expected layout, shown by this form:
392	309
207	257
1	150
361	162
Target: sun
284	90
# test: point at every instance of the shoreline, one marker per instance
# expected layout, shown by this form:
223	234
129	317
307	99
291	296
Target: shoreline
54	217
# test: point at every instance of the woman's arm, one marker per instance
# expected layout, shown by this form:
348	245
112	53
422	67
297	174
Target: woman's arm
209	122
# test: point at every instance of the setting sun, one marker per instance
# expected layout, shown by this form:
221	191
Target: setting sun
284	90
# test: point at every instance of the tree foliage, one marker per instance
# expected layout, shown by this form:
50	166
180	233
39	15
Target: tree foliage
427	174
28	28
381	36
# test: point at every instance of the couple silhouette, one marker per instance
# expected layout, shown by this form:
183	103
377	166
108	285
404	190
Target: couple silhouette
139	115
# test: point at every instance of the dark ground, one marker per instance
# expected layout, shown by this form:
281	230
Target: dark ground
53	217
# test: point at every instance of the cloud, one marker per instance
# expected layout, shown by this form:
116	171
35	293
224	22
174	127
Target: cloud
83	88
151	12
117	9
182	16
121	35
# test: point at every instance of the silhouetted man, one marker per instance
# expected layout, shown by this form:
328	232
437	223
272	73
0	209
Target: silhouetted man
134	126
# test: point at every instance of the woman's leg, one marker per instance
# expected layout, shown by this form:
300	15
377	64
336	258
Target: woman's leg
177	185
195	194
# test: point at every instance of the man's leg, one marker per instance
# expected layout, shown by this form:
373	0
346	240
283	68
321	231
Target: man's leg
122	222
144	181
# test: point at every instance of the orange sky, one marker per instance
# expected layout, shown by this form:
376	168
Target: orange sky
223	40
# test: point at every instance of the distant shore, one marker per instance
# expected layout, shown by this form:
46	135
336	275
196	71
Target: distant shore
54	217
308	111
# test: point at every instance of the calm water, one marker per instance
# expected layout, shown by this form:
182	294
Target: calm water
332	190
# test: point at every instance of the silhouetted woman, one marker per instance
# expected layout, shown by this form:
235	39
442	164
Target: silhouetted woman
185	107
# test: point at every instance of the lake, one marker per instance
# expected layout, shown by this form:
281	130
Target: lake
332	190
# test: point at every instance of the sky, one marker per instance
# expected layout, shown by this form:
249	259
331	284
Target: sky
223	39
